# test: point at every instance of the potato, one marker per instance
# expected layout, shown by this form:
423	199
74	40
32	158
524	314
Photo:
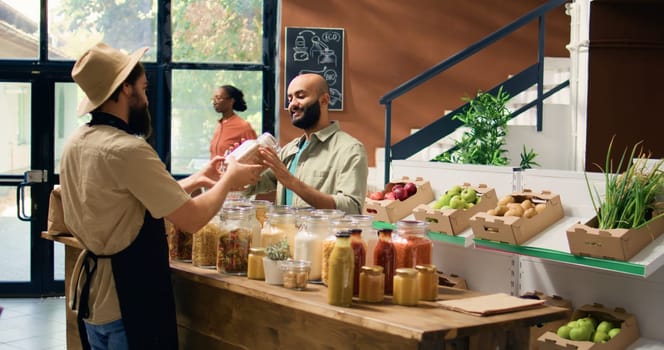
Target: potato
540	207
529	213
506	200
491	212
527	204
514	212
501	210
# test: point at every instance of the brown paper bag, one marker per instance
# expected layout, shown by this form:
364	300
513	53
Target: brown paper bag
56	218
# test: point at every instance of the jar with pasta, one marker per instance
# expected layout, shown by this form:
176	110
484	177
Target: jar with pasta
234	241
179	243
411	243
254	224
279	225
204	245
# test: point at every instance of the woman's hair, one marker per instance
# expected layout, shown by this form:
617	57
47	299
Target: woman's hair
236	94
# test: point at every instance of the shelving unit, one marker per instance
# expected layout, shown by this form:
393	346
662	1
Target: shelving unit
544	263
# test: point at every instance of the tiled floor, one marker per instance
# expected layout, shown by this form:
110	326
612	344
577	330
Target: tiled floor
33	324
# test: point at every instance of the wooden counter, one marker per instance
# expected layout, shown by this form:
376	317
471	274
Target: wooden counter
216	311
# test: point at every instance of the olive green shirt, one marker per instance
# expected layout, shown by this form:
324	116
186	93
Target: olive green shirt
334	163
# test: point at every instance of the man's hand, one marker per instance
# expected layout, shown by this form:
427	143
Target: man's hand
271	160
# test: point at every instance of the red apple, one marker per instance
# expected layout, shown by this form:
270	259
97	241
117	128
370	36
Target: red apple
400	193
377	196
389	195
410	188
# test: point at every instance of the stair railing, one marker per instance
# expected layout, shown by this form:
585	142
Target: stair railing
414	142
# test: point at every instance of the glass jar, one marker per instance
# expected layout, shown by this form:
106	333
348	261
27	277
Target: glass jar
179	243
405	287
411	243
301	214
309	243
341	224
365	223
359	247
332	214
204	244
254	224
255	269
427	281
262	207
340	282
296	273
233	243
247	152
372	284
385	256
279	225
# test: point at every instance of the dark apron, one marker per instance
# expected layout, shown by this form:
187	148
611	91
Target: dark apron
142	277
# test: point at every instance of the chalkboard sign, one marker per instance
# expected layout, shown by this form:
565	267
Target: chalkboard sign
316	50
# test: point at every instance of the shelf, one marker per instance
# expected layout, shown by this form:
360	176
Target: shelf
549	245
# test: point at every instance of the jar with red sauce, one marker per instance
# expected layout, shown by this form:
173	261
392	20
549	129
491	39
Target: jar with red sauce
385	256
411	244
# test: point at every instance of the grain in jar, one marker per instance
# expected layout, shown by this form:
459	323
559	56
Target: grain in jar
405	290
427	281
279	225
372	284
255	269
411	243
309	243
262	207
204	245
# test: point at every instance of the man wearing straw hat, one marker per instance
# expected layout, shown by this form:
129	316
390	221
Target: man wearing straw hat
115	194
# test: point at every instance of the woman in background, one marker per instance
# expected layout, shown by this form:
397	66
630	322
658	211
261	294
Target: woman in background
232	128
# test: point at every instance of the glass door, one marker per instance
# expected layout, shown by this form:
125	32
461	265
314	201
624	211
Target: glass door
33	129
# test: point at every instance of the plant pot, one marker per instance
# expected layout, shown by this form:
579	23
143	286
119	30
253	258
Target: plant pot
273	273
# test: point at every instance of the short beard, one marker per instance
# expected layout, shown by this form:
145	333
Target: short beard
310	116
140	121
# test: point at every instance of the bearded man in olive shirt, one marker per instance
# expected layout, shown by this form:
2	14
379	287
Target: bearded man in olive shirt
325	168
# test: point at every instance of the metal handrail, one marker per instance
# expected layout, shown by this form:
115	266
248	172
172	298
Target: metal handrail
423	77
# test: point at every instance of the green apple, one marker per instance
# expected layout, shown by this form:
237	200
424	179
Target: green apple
443	201
588	322
573	324
600	337
580	333
604	326
613	332
456	189
457	202
469	195
563	331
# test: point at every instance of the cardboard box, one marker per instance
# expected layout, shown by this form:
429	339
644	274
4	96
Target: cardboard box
451	280
553	300
455	221
629	331
391	211
619	244
516	230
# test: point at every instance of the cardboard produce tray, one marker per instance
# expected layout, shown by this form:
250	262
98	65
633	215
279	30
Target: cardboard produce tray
618	244
629	330
455	221
517	230
550	300
391	211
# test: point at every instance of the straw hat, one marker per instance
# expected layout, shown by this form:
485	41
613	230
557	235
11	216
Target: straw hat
100	71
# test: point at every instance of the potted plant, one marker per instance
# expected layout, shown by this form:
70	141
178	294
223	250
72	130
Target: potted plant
274	254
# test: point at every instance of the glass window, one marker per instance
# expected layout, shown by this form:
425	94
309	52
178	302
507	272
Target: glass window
76	25
15	237
15	133
20	32
194	119
218	31
67	96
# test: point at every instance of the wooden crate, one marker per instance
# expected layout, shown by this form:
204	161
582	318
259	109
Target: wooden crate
389	210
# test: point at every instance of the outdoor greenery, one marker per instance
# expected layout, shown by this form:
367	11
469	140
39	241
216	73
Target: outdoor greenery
203	32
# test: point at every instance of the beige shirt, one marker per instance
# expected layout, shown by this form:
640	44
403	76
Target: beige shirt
109	178
333	162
